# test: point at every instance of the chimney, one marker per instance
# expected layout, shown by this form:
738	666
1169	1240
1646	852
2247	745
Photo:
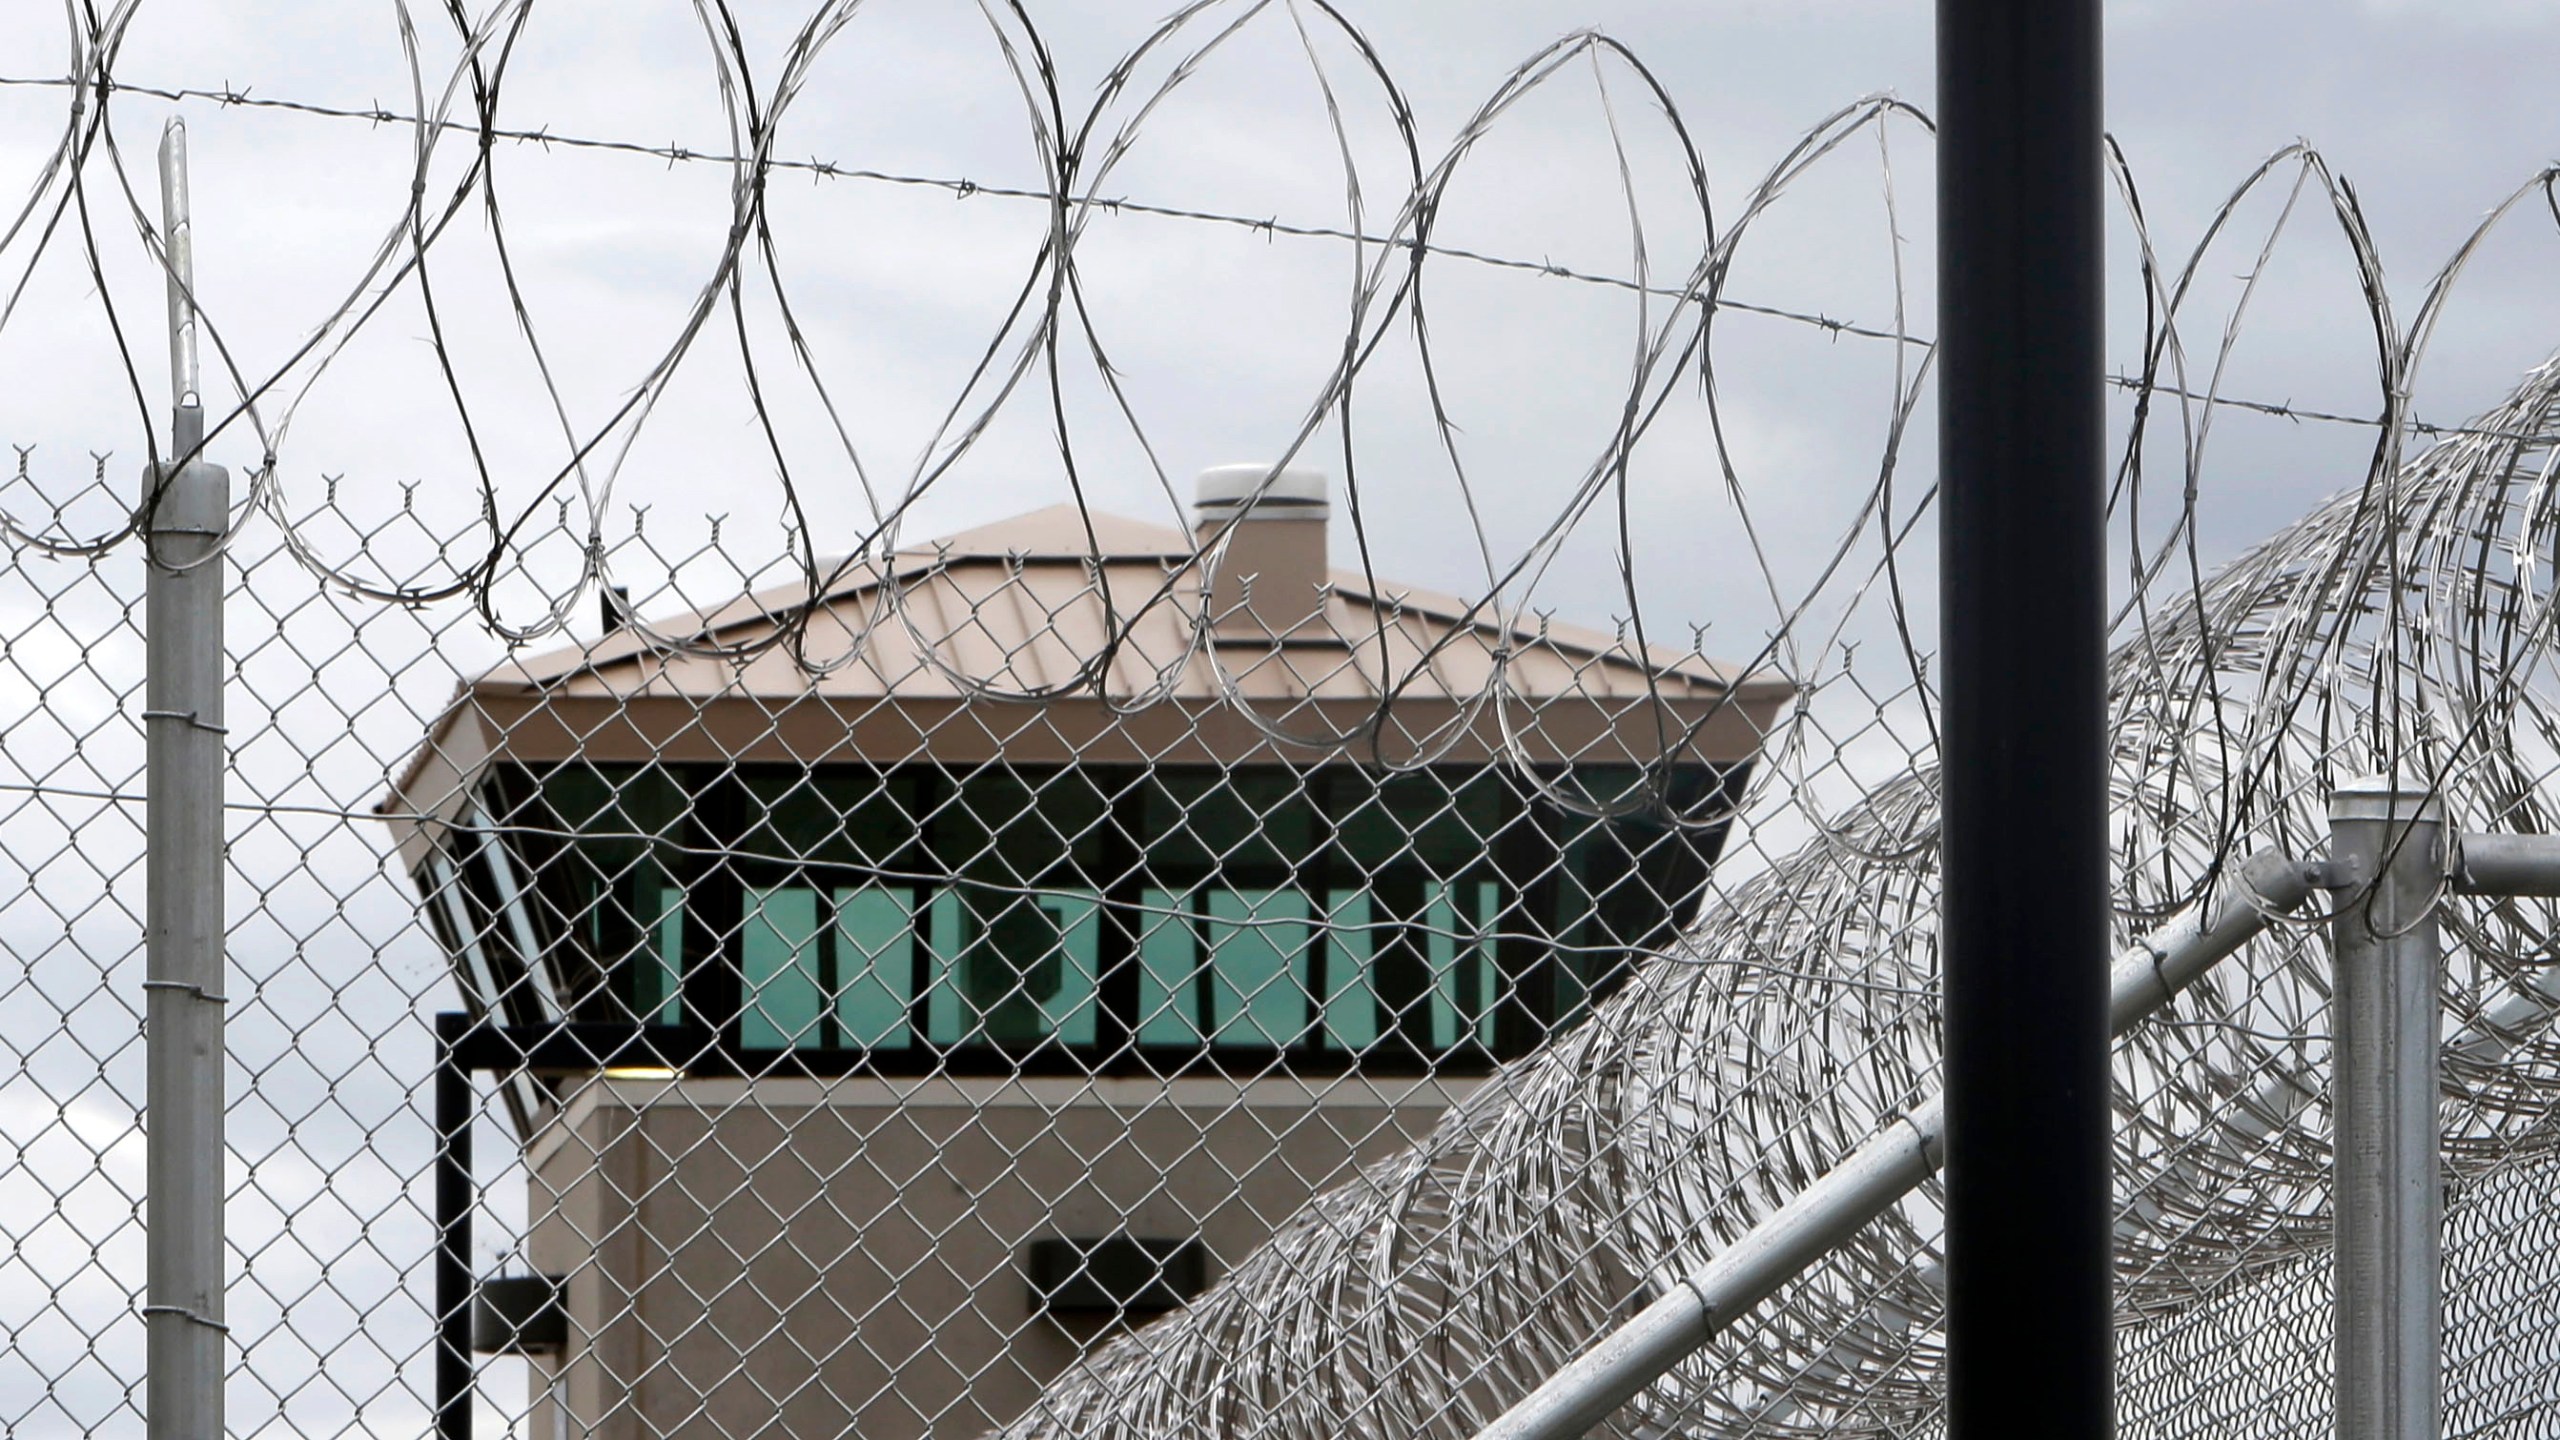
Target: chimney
1265	586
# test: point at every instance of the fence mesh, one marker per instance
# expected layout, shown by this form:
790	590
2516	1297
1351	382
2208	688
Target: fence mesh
1140	967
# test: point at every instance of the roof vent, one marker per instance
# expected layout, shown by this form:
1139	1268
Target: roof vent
1266	585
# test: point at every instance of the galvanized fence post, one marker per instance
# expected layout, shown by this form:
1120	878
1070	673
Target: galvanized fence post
2387	847
454	1200
185	508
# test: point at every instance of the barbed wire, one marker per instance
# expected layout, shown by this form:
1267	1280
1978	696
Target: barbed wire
963	188
2404	626
958	187
1079	166
1049	319
1066	200
1038	336
400	259
1430	1291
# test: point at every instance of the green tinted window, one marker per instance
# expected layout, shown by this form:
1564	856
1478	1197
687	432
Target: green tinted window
875	966
657	979
1168	970
1014	969
1462	923
601	848
1258	980
1350	1002
1382	918
826	969
783	985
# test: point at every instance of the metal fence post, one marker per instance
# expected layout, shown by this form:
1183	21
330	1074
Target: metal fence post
2022	473
453	1201
2387	843
184	512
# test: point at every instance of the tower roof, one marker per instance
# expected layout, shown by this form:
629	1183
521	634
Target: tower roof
1068	634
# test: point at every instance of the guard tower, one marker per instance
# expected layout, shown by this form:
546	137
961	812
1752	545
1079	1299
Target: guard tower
1119	888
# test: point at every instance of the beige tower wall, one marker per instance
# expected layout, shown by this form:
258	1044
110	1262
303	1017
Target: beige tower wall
790	1258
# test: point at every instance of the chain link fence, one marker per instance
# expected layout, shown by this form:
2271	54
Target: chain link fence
903	1086
1163	973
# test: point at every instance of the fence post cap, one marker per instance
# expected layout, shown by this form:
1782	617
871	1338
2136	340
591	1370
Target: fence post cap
2384	798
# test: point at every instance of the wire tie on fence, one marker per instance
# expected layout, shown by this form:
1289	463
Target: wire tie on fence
183	1313
197	991
1933	1148
189	716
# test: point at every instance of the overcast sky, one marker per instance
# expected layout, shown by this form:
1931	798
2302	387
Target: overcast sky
1220	336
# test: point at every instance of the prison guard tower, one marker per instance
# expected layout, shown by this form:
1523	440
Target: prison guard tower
999	1022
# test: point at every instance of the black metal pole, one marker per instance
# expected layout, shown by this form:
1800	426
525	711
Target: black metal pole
453	1230
2023	594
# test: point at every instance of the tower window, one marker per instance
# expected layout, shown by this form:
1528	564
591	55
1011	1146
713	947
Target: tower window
1092	919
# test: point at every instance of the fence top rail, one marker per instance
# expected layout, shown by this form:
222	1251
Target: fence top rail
2510	865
